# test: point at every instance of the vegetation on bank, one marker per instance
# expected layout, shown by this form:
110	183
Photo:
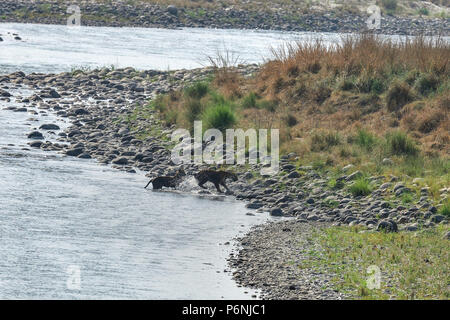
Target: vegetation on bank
413	265
197	8
378	105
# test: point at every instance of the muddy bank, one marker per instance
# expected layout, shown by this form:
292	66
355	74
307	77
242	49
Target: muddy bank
137	14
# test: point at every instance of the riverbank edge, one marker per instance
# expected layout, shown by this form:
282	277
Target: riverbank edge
89	126
159	16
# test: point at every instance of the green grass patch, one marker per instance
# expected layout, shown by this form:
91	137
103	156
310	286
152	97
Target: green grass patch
361	187
398	143
445	209
220	116
412	265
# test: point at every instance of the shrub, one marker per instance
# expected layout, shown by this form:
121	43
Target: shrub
445	209
399	143
397	96
249	101
335	184
197	90
219	116
366	84
346	84
321	141
423	11
407	197
365	139
426	84
361	187
194	109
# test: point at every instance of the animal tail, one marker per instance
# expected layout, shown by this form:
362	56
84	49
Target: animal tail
148	183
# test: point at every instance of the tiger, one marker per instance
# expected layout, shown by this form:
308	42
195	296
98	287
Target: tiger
167	181
216	177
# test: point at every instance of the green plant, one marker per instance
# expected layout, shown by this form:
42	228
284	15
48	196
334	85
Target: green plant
423	11
367	83
219	117
361	187
197	90
193	111
445	208
407	197
398	143
250	101
321	141
427	84
365	139
335	184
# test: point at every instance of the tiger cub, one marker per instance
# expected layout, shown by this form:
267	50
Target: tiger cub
167	181
216	177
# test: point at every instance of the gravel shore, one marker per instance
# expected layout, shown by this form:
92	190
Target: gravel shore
270	258
123	14
109	124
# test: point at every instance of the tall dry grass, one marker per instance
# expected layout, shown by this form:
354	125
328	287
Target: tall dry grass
367	53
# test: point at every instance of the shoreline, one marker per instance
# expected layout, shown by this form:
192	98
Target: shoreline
114	129
118	14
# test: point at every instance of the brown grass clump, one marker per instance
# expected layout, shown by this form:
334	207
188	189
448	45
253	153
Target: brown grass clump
363	79
398	95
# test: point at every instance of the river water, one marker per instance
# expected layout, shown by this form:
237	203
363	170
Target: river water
72	228
54	48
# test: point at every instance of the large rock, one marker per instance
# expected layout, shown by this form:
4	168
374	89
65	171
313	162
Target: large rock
75	152
49	126
276	212
254	205
387	226
437	218
4	93
120	161
293	175
354	175
172	10
35	135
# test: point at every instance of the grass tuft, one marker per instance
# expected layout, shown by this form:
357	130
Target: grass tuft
398	143
361	187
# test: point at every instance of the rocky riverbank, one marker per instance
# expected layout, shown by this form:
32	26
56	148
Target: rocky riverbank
112	122
137	14
271	257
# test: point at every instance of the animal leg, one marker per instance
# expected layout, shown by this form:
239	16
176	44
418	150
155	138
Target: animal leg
217	187
201	185
223	184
